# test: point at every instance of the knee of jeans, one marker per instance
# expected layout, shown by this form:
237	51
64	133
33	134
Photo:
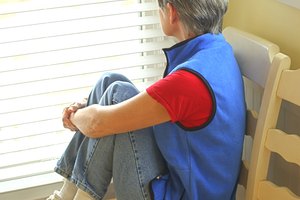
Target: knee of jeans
108	78
122	91
112	75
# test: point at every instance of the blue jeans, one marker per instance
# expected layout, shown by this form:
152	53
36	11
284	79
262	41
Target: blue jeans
132	159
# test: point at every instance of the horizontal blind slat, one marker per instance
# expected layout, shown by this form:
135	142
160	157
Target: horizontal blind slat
80	26
33	142
61	71
79	54
31	129
73	13
82	40
26	170
51	112
32	155
55	85
28	6
28	182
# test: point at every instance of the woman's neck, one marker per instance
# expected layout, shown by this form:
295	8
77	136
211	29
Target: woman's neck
183	34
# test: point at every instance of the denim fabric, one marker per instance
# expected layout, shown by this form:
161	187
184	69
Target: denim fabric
131	159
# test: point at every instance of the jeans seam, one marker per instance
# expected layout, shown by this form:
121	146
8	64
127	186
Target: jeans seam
138	168
88	161
83	182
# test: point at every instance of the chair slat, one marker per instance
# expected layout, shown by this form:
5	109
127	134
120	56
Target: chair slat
251	122
243	177
270	191
288	146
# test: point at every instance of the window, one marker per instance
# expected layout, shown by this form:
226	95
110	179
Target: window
51	54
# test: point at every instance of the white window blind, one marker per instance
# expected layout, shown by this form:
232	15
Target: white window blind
51	54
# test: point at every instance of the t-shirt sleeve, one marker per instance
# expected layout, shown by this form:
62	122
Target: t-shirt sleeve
185	96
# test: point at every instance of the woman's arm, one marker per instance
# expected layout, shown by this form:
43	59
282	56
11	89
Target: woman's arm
135	113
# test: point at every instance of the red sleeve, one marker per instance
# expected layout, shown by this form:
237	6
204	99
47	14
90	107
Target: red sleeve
185	96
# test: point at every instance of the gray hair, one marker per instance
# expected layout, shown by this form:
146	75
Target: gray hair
199	16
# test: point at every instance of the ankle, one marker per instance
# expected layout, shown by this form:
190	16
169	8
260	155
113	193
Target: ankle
82	195
68	190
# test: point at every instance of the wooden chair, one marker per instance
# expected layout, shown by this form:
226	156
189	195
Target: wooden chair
262	64
276	141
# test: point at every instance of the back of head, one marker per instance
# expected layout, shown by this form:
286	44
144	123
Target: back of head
199	16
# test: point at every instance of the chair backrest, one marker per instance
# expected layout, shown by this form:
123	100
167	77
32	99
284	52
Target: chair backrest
254	54
276	141
261	64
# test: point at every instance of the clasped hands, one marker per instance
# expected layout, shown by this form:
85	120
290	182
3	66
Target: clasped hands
69	111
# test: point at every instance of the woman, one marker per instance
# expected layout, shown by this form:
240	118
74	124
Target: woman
181	138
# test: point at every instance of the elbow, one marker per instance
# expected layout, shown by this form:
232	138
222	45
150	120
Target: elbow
91	133
97	128
94	122
96	133
95	125
94	130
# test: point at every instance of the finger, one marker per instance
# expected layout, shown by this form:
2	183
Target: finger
65	109
73	108
66	119
65	116
72	127
69	125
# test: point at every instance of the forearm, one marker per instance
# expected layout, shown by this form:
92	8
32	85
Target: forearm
99	121
85	120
